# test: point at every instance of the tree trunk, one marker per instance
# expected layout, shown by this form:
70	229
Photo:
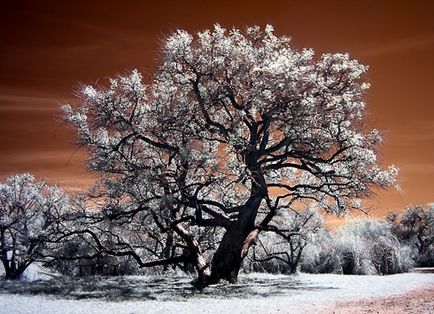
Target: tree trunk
240	235
167	250
14	271
227	260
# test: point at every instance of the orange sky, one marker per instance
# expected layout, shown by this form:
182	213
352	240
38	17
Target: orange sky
48	47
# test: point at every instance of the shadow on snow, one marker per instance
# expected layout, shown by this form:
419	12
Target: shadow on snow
161	288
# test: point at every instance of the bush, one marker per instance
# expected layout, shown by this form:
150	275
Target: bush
368	246
320	256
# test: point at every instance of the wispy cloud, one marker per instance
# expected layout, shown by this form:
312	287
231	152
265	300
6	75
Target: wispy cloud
63	167
27	103
403	45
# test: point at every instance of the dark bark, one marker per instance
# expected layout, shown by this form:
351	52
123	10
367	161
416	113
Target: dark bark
13	271
229	256
167	250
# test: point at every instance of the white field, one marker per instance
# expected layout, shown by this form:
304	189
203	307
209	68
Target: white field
255	293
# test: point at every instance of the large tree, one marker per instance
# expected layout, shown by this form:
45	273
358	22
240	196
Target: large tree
234	128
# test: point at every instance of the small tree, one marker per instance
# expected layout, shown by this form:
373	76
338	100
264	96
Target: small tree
415	227
30	217
281	248
232	124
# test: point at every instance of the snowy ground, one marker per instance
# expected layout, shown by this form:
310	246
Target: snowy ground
254	293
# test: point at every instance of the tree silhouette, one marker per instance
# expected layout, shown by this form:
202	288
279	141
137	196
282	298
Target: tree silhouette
233	124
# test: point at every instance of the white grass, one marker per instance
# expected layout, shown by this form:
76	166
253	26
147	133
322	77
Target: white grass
256	293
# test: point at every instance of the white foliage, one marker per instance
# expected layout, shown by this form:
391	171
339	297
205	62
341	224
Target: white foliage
230	80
